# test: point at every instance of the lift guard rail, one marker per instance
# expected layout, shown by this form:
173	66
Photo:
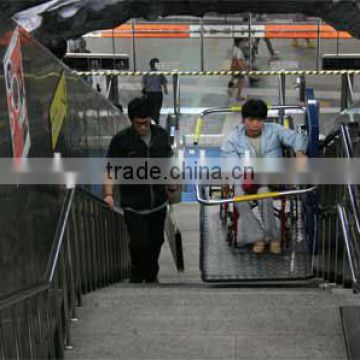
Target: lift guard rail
199	120
352	189
348	236
349	246
337	221
251	197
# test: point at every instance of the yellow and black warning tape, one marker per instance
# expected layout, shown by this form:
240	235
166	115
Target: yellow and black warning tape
219	73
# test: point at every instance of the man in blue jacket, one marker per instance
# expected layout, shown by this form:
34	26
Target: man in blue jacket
253	139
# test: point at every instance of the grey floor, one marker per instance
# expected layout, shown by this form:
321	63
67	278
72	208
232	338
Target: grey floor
184	319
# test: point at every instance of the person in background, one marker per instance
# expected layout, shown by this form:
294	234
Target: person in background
256	139
273	55
302	18
79	46
153	87
238	63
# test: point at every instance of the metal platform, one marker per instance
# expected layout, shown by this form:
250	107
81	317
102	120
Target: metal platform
223	263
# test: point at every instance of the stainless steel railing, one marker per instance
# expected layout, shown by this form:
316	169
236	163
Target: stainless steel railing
283	109
337	251
251	197
90	250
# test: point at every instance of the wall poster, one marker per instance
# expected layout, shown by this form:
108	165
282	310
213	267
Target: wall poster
16	97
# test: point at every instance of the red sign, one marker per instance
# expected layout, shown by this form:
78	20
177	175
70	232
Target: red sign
16	97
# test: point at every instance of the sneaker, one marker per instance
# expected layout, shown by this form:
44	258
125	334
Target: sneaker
258	247
254	79
275	247
310	45
274	56
295	43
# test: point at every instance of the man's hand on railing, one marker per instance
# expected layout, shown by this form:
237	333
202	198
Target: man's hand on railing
109	199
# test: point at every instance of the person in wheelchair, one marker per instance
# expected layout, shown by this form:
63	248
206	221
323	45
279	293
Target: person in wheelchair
255	138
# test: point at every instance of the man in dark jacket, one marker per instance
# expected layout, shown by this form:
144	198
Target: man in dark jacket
144	205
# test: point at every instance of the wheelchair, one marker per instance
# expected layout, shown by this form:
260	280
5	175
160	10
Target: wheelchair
286	213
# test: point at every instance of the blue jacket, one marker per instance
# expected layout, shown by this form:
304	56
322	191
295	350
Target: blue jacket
273	136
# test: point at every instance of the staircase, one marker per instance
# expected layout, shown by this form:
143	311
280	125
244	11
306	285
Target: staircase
182	318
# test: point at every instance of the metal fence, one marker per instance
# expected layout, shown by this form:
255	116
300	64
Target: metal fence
337	252
90	251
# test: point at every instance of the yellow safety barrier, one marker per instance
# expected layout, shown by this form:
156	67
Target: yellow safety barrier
239	108
200	119
199	122
286	123
252	197
220	73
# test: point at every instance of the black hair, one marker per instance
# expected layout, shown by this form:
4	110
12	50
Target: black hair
256	109
153	62
139	108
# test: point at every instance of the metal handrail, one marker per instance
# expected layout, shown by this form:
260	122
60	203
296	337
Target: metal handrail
330	138
342	134
238	109
349	246
346	140
214	110
352	189
251	197
59	236
351	90
22	295
84	257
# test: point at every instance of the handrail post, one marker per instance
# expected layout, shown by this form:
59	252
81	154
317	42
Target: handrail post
202	44
133	44
318	45
301	86
350	84
176	86
282	97
348	245
347	94
250	45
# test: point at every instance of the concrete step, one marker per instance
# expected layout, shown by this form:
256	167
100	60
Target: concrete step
153	322
182	318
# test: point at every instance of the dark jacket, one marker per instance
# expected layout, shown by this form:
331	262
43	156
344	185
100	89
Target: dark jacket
128	144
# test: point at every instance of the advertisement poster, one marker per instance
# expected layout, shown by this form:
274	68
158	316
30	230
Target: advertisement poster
58	110
16	97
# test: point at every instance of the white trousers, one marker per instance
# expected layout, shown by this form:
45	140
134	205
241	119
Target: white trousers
250	229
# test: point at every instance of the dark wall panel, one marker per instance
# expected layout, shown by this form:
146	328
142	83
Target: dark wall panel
29	214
